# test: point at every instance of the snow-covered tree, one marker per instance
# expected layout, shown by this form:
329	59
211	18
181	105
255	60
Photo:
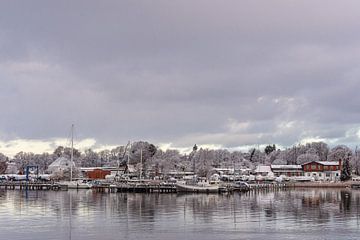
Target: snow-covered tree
141	149
89	159
3	167
346	169
355	162
279	161
321	149
269	149
307	157
339	152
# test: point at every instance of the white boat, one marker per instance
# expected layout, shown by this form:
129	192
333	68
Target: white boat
197	188
80	184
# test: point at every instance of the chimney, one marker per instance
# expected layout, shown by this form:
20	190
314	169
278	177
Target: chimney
340	164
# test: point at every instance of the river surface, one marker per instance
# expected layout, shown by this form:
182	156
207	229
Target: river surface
87	215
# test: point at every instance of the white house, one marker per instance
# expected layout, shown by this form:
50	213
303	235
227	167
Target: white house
263	170
60	164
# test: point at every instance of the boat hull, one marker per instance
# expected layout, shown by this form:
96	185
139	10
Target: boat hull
76	185
196	189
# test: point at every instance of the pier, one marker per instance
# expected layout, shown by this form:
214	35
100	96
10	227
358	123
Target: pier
30	186
138	188
171	188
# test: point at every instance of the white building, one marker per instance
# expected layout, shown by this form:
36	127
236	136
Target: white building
60	164
263	170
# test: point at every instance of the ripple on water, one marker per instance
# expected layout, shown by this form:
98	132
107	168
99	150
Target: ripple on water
312	213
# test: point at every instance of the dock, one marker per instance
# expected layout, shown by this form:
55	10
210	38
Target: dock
30	186
137	188
170	188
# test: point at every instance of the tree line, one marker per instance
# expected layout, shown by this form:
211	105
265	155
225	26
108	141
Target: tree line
202	160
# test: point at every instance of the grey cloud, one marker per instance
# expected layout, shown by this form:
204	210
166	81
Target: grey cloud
177	71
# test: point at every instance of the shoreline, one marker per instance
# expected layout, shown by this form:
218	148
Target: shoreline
347	184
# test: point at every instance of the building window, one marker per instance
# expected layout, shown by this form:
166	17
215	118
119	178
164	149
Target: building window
313	167
327	174
320	175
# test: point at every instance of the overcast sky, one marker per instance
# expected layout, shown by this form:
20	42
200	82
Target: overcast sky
175	73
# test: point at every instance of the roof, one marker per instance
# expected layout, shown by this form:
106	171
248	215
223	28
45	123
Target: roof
328	163
325	163
263	169
292	167
61	162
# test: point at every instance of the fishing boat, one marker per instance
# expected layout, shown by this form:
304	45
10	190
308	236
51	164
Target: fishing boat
80	184
197	189
200	187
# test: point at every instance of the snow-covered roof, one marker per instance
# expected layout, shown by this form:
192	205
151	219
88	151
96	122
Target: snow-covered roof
261	169
325	163
292	167
61	162
328	163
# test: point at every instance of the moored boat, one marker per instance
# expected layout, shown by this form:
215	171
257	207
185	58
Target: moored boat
197	188
77	184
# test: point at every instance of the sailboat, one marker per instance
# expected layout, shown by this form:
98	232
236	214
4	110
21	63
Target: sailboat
198	188
202	186
79	184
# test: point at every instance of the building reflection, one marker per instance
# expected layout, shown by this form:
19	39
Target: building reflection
261	209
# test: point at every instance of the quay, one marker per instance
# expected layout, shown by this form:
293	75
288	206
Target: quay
171	188
30	186
138	188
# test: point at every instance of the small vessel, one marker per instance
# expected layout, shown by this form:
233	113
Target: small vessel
197	188
202	186
80	184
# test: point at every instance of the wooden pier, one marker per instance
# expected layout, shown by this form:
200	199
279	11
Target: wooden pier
30	186
268	186
138	188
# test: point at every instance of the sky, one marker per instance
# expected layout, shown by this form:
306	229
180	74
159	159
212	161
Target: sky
219	74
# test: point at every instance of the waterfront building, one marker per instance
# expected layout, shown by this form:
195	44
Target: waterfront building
322	170
287	170
60	164
263	170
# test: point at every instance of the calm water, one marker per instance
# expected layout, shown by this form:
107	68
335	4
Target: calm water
80	215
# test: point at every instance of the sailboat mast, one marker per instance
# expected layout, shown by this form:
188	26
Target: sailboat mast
141	163
72	152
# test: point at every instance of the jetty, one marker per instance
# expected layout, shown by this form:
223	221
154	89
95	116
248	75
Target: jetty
158	187
137	188
31	186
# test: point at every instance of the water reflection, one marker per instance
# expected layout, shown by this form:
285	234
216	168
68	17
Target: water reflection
324	213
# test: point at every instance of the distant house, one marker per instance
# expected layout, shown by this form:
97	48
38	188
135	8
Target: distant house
11	168
97	174
101	172
287	170
60	164
263	170
323	170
